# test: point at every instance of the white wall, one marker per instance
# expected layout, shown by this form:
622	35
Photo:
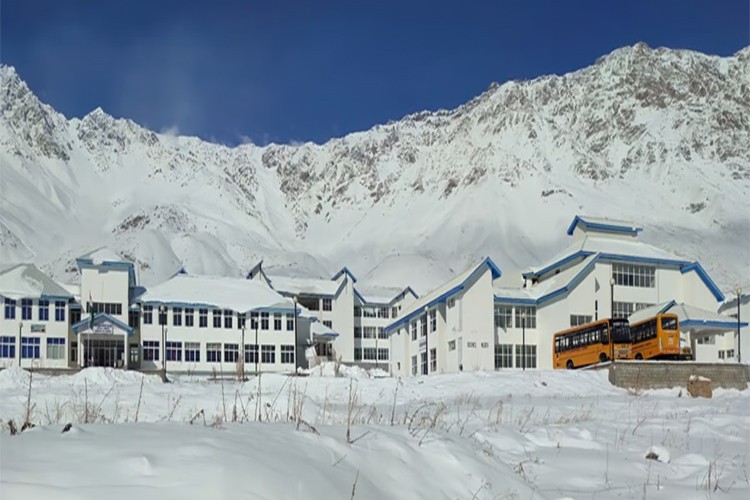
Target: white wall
106	284
52	329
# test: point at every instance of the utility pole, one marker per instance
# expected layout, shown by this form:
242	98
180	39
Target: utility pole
242	349
611	317
739	340
20	329
523	337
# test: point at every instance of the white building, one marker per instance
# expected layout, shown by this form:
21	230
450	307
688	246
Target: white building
730	308
34	327
605	272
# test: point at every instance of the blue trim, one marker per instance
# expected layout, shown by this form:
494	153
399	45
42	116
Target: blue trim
284	310
390	302
610	228
66	298
703	275
643	260
359	296
179	304
496	273
729	325
347	271
513	300
561	262
429	305
668	306
85	323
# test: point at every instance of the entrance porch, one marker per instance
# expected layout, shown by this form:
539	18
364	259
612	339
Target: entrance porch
103	340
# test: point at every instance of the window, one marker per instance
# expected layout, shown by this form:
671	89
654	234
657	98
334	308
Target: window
10	309
634	275
174	351
452	345
414	330
240	321
253	320
26	308
433	360
357	312
228	318
251	353
43	314
75	314
189	319
381	333
357	354
289	322
382	354
133	318
368	332
176	319
264	321
383	312
433	320
217	318
202	318
277	322
707	340
231	353
530	356
192	349
148	315
162	315
357	332
104	307
424	363
580	319
7	347
504	316
369	353
485	345
213	352
530	319
414	366
287	354
721	354
55	348
625	309
311	303
503	356
74	352
730	353
59	310
368	312
471	345
30	347
327	304
423	322
150	350
327	323
394	312
268	354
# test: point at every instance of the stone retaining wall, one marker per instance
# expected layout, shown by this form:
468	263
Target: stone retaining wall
667	374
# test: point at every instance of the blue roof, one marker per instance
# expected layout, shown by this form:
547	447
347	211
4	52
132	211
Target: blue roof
729	325
610	226
703	275
345	270
99	317
555	293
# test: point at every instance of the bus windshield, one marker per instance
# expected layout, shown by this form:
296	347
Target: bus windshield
620	331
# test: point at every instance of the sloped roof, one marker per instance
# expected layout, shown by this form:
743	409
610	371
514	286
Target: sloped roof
689	316
442	293
304	286
603	224
237	294
28	281
381	294
102	255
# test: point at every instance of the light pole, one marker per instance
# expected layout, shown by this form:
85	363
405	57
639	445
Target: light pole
257	347
612	316
20	329
426	331
738	291
523	338
163	321
242	348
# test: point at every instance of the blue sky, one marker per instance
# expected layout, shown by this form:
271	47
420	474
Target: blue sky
308	71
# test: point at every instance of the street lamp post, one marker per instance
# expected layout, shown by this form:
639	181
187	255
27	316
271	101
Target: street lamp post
163	321
20	329
738	291
242	350
257	347
611	317
426	331
523	338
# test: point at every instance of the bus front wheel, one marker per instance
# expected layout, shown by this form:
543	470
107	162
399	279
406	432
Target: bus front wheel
602	358
639	356
569	364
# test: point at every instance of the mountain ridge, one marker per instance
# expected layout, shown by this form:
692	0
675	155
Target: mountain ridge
558	145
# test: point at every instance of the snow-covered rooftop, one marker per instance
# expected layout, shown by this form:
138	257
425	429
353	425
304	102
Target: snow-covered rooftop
101	255
28	281
237	294
689	316
552	284
304	286
379	294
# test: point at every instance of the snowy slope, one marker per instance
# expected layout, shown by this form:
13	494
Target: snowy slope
658	136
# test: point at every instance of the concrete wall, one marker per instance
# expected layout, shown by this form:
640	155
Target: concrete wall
666	374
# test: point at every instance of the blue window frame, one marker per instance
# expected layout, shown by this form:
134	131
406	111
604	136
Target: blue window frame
43	310
174	351
7	347
193	352
10	309
30	347
26	308
151	350
59	310
213	353
148	315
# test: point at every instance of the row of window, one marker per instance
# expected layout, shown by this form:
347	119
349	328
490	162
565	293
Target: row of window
375	312
370	354
504	356
315	304
215	352
422	323
729	353
419	364
42	310
625	309
525	316
369	332
104	307
31	347
220	318
634	275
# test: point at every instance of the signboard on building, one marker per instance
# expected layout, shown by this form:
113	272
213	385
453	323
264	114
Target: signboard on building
105	327
38	328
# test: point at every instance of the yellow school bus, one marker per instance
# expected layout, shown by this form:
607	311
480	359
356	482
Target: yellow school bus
590	343
655	337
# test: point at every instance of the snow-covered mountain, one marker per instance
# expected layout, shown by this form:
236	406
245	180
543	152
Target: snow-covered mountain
658	136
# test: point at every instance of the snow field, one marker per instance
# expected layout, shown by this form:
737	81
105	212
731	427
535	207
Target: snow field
475	436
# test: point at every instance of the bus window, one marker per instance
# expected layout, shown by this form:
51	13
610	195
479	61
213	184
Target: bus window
668	323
